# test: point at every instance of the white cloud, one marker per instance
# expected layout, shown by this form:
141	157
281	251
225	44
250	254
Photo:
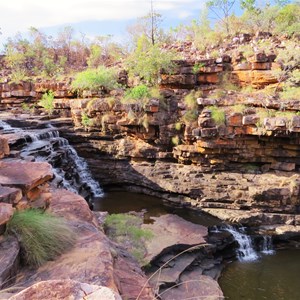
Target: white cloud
19	15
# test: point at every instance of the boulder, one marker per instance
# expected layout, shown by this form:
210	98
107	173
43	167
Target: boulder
24	175
10	195
171	231
203	287
66	290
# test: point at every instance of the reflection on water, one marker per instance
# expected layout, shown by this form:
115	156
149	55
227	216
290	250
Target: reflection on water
273	277
122	202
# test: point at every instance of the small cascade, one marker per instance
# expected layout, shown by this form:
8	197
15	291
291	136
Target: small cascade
245	252
70	170
267	245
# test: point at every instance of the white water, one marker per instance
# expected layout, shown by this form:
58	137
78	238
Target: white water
245	252
267	245
48	146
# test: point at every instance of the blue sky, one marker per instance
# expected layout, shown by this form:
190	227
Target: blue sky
92	17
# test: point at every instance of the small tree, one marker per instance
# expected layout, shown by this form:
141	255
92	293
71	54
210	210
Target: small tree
222	10
47	102
147	61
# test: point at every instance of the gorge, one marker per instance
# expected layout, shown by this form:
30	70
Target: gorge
228	157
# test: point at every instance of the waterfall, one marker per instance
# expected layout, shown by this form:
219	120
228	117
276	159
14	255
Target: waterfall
70	170
245	252
267	245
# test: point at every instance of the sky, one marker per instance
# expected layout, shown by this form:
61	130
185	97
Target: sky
92	17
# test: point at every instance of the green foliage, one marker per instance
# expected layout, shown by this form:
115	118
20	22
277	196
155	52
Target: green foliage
175	140
47	102
85	120
42	236
190	99
138	92
239	108
217	114
190	116
147	61
263	114
178	126
290	93
197	67
288	19
222	10
95	80
126	229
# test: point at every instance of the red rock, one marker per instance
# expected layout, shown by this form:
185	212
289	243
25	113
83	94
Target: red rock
10	195
24	175
6	212
66	289
208	78
235	119
170	230
4	148
201	287
261	66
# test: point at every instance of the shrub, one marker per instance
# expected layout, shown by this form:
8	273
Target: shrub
85	120
290	93
125	229
190	99
137	93
217	114
47	102
95	80
147	61
42	236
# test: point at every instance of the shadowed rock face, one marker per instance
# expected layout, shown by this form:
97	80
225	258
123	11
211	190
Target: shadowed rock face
9	260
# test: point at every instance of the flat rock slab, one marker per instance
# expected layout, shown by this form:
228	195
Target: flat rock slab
9	259
170	275
66	290
201	288
24	175
171	230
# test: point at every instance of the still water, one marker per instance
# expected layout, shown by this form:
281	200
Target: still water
272	277
122	202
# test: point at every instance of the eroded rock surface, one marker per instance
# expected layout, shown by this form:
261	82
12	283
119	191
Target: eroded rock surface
171	231
66	290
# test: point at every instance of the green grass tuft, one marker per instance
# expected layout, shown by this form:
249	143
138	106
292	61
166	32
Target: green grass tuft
42	236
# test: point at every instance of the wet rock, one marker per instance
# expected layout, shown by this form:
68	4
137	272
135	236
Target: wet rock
66	289
171	231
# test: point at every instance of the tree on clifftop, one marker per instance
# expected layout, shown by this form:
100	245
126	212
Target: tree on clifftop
222	10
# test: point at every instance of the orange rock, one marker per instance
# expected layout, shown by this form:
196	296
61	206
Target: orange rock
23	174
4	148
